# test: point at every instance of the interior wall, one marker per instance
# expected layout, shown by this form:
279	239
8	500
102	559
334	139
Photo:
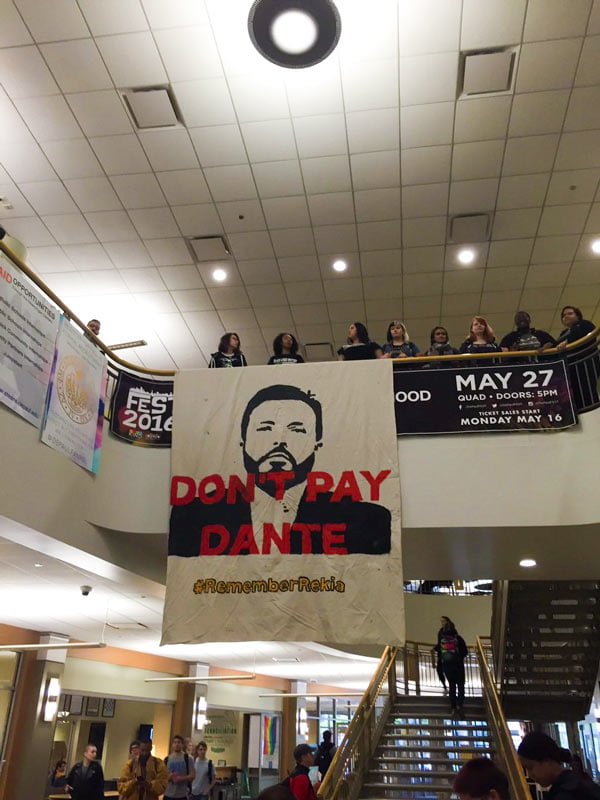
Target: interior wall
239	697
471	615
112	680
224	736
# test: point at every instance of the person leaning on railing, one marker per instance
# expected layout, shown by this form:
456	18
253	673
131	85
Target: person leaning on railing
544	762
584	367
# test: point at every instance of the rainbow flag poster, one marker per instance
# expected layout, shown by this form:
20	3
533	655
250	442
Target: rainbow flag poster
269	735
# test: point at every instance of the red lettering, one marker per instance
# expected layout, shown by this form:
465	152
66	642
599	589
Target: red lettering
306	531
190	490
279	479
375	481
270	536
334	539
317	483
347	487
212	482
244	541
206	549
236	487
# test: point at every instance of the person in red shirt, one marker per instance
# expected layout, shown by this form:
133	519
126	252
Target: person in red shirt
299	782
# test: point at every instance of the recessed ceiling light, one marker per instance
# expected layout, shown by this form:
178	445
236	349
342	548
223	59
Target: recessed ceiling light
339	265
596	246
38	566
466	256
528	562
219	274
294	31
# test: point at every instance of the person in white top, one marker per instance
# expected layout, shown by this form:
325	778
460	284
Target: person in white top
205	777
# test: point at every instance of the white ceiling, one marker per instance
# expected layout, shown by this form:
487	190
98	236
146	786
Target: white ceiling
363	157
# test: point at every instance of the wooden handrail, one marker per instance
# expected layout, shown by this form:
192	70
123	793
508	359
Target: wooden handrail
505	750
170	373
351	760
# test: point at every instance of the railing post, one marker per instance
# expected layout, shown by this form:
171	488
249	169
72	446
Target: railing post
417	671
392	678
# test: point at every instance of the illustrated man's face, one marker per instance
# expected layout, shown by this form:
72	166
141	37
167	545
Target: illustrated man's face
281	436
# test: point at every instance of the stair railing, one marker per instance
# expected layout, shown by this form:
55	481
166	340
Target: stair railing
350	764
506	755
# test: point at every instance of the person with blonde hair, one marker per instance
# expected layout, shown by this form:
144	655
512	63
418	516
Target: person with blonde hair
398	342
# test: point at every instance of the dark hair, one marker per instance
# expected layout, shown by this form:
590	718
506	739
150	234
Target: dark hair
361	332
278	344
58	765
438	328
224	342
397	324
178	736
201	744
573	308
90	744
449	624
537	746
478	777
93	319
145	740
301	750
326	734
280	392
488	334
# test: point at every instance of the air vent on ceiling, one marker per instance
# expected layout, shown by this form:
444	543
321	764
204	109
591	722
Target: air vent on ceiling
469	228
209	248
151	107
486	72
127	626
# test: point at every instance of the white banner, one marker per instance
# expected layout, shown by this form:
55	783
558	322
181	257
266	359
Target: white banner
75	404
285	521
28	327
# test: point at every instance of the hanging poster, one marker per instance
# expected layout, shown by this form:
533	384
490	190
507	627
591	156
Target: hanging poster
28	328
516	397
75	402
285	506
141	411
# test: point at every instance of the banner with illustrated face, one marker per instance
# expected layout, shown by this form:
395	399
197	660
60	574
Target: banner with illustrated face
75	403
141	411
285	520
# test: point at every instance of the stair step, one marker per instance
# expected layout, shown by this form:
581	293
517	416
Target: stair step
414	737
425	788
435	748
411	760
452	723
415	773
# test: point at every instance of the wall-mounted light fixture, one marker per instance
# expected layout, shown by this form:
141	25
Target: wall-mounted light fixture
303	722
51	701
200	719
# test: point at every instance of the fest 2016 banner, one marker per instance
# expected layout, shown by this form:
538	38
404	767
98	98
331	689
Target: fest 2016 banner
285	520
141	411
28	328
75	403
516	397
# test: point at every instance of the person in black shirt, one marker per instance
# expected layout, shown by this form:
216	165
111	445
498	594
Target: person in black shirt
481	338
398	342
440	343
452	650
544	763
229	353
285	349
583	360
576	327
86	779
359	347
325	753
525	337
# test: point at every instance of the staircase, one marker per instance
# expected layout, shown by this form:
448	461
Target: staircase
421	748
547	647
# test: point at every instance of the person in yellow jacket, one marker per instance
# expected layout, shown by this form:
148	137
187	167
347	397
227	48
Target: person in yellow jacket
143	778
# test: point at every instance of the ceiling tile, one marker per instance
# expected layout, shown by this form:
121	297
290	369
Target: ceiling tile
24	73
335	238
377	289
278	179
466	304
388	308
147	279
510	252
541	297
315	91
426	125
343	290
427	200
546	275
184	187
242	215
583	273
207	269
330	173
558	220
192	300
204	102
477	160
231	183
280	318
259	97
463	280
433	27
77	65
538	112
375	170
180	279
351	258
547	65
373	205
111	226
381	262
492	24
269	141
286	212
516	224
419	232
13	31
267	295
146	69
168	150
428	78
573	186
422	285
219	145
334	208
33	232
120	155
48	197
301	292
229	297
426	165
155	302
373	130
127	255
583	112
200	219
451	261
370	84
293	242
49	259
93	194
520	191
530	154
189	53
342	312
259	271
113	16
552	19
25	161
578	150
88	256
73	158
481	118
468	197
60	20
379	235
66	229
154	223
554	249
254	244
100	113
502	279
13	202
166	252
493	302
587	70
48	118
174	13
309	313
324	135
138	191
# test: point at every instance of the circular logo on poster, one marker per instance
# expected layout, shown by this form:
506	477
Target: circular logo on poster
74	392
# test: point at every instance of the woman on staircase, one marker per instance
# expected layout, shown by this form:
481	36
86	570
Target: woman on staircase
452	651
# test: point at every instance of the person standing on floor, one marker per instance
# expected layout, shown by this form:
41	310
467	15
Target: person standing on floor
204	778
86	779
144	777
299	782
325	753
453	651
180	767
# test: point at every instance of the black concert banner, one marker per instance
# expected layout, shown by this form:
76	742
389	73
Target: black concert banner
141	411
516	397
